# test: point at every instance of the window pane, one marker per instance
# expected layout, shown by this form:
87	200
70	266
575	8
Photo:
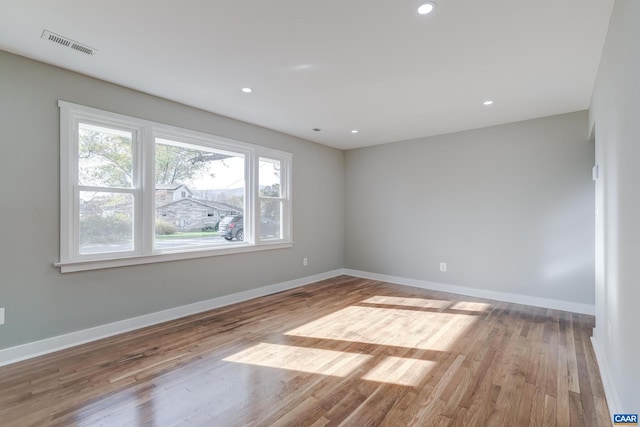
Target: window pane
196	187
106	222
269	177
270	219
105	156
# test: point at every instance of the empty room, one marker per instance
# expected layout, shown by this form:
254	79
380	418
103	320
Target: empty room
287	213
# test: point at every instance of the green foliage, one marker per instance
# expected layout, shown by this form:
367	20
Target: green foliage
105	229
270	209
105	159
176	164
163	228
270	190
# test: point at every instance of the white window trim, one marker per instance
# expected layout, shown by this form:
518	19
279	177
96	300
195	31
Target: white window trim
145	132
285	190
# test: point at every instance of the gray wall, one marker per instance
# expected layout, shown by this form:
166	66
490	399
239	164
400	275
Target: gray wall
40	302
508	208
615	110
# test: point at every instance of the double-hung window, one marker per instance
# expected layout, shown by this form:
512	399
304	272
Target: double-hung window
135	191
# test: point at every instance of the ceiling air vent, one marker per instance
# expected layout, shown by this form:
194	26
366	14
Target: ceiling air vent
64	41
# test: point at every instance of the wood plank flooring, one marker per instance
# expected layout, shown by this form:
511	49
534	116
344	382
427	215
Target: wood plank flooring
345	351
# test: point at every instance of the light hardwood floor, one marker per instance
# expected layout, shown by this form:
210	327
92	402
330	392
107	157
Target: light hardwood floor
345	351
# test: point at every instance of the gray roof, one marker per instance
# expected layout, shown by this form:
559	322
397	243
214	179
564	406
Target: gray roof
208	203
171	187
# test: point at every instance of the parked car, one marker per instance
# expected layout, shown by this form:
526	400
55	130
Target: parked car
232	227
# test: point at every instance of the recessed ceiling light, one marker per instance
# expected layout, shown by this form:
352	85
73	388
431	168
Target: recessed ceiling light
426	8
489	102
247	90
354	131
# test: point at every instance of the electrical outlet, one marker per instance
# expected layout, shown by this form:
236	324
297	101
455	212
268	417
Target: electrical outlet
305	262
2	316
443	266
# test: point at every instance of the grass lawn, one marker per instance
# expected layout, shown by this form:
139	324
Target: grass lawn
187	235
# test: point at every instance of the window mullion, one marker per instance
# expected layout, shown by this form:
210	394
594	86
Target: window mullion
285	194
147	188
75	226
252	206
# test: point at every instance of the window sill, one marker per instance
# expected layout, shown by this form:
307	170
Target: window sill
73	266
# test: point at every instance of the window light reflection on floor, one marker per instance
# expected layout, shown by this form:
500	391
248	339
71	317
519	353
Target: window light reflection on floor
428	303
428	326
481	307
302	359
389	369
390	327
400	370
408	302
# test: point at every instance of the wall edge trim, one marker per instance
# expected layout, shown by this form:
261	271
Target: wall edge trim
33	349
554	304
49	345
610	393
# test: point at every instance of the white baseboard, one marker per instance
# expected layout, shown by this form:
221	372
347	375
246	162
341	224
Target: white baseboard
573	307
27	351
49	345
610	393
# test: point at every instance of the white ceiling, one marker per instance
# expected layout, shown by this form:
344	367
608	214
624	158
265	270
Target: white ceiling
372	65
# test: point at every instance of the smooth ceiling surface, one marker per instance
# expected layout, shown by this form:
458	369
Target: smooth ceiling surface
375	65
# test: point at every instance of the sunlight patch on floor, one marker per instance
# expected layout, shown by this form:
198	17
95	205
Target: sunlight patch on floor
409	302
388	369
303	359
471	306
390	327
400	370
